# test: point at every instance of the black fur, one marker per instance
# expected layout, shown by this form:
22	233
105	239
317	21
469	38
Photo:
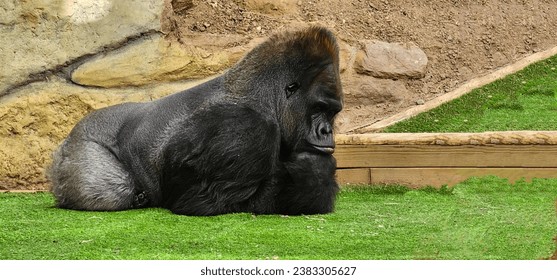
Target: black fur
256	139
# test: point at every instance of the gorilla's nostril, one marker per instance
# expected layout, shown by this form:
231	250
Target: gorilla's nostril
325	129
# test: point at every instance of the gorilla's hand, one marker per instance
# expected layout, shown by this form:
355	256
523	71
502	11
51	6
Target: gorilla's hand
311	179
310	167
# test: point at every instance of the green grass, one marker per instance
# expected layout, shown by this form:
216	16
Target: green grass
482	218
526	100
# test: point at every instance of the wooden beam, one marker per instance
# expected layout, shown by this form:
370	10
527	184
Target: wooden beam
451	139
437	177
353	176
367	156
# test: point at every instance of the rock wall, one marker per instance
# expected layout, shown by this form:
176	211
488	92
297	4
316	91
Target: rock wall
61	59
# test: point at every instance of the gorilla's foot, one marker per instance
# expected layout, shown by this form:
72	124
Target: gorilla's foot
140	200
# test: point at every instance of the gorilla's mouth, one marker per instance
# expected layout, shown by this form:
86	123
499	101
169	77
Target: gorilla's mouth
325	149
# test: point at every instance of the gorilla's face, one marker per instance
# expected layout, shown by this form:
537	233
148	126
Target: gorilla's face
312	104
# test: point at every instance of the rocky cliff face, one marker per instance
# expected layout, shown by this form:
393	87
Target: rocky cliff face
61	59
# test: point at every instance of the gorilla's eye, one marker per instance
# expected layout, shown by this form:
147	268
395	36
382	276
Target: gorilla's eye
291	89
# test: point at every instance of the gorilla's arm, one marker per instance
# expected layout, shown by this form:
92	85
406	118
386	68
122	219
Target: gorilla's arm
307	184
220	161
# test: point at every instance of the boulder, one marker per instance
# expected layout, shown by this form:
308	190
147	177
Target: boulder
391	60
155	59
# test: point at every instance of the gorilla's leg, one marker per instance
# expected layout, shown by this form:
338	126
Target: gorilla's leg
87	176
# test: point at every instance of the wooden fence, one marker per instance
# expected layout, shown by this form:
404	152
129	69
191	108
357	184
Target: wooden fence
436	159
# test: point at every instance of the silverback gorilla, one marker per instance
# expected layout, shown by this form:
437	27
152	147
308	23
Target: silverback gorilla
258	139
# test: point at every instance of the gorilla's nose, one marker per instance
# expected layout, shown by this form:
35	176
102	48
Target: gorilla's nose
324	129
322	138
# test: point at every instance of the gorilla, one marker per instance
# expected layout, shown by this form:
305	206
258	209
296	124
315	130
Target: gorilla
258	139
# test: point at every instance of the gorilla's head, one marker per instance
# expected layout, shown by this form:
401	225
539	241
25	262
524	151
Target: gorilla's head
295	75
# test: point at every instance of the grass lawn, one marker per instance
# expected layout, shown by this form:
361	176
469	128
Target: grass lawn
482	218
526	100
